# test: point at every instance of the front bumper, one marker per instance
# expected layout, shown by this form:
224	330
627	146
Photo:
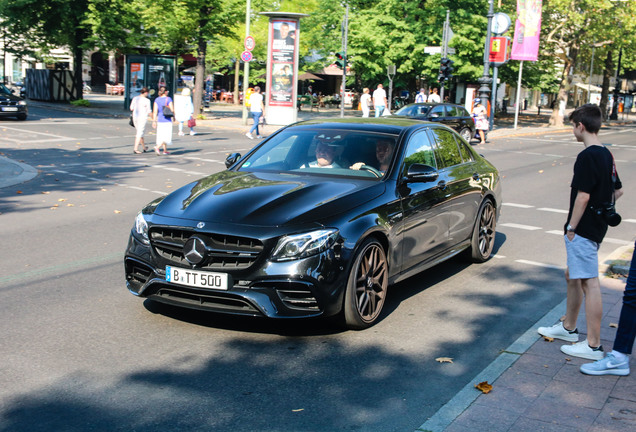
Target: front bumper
304	288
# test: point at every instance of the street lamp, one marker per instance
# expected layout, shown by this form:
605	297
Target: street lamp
484	90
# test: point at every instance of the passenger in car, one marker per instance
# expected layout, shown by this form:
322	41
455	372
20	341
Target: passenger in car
383	152
325	155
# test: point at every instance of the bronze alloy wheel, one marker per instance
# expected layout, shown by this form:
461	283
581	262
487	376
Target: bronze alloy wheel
484	233
367	286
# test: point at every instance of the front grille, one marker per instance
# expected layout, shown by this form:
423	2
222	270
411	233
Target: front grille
137	274
294	294
224	252
8	102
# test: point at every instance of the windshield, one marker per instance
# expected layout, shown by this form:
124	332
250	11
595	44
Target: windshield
327	152
413	110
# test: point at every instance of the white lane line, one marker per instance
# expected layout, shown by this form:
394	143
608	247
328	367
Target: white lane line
538	264
517	205
629	220
617	241
519	226
556	232
499	256
547	209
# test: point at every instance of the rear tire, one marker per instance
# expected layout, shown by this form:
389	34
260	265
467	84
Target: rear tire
483	239
366	287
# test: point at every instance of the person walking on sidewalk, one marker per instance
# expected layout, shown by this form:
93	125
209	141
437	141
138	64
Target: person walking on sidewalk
379	100
257	109
140	107
184	110
162	123
617	361
594	182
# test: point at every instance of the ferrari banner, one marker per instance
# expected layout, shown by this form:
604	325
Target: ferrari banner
525	45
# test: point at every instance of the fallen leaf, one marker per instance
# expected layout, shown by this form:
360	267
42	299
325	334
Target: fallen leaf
18	192
444	359
93	172
117	211
540	171
298	410
548	338
70	205
484	387
46	192
104	190
614	325
61	200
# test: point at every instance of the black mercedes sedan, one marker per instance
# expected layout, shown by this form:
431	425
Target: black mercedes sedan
12	105
317	220
453	116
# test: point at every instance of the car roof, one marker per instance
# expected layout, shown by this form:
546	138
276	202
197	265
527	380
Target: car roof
390	125
433	104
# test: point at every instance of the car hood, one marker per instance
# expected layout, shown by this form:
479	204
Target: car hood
11	97
267	199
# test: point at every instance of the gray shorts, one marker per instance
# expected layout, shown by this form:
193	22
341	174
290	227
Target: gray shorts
582	257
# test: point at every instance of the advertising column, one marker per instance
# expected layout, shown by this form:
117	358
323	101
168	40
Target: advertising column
282	67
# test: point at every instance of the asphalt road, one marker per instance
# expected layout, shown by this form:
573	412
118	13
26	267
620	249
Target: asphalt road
78	352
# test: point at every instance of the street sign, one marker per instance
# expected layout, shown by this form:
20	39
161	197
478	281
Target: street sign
437	50
249	43
499	50
246	56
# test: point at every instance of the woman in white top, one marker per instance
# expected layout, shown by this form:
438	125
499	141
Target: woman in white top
365	102
140	107
184	110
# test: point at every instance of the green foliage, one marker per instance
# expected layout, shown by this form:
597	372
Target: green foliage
80	103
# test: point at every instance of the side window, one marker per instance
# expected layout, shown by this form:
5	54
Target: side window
447	149
418	150
466	154
437	111
453	111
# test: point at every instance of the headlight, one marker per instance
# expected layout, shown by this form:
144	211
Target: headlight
21	102
141	228
303	245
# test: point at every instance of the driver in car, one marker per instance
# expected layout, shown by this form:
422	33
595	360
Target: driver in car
383	151
325	155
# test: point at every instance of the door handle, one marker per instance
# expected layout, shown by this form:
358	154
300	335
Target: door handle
441	184
476	176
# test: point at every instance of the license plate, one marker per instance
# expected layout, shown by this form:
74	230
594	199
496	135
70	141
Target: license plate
196	278
9	108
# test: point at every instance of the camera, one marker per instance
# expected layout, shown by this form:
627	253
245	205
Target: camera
608	213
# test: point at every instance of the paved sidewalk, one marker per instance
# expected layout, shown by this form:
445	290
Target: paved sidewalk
538	388
535	386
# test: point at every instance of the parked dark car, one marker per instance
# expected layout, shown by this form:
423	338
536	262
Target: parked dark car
12	105
278	236
453	116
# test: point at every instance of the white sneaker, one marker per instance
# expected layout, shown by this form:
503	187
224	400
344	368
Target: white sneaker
249	135
557	331
259	136
583	350
181	134
192	132
607	366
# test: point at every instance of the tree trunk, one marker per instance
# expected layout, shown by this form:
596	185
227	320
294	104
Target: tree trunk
607	74
556	119
237	71
78	85
199	75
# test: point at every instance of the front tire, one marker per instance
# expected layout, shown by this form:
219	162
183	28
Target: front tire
483	239
366	287
466	134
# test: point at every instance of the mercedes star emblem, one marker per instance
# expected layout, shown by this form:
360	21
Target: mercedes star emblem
194	250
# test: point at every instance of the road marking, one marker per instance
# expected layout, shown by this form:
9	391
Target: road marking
547	209
556	232
517	205
519	226
629	220
617	241
538	264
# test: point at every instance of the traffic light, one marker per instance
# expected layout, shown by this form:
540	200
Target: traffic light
342	59
445	70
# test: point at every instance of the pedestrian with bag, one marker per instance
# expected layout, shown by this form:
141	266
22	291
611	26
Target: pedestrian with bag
140	107
184	111
595	184
481	120
162	118
421	96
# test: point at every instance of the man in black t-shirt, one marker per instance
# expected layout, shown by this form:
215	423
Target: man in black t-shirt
595	182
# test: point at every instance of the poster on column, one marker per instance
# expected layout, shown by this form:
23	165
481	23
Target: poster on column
136	79
525	45
283	54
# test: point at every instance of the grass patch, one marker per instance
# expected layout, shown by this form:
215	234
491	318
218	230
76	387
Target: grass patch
81	103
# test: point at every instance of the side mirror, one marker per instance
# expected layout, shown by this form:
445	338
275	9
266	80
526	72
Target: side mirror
232	159
421	173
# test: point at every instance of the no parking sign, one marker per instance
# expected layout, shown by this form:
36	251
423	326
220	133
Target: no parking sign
246	56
